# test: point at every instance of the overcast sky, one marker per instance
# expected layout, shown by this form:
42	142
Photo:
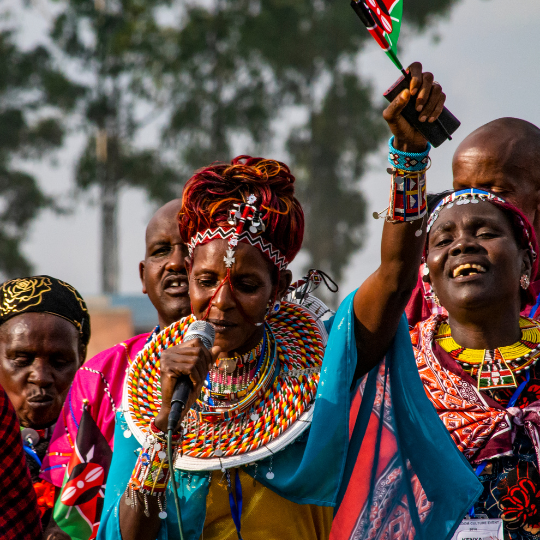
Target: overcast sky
484	57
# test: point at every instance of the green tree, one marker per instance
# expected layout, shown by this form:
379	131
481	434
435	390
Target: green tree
244	67
30	127
114	49
228	76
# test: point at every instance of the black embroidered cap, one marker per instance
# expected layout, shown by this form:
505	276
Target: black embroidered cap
44	294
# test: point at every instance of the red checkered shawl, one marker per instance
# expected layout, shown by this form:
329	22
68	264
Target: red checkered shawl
19	515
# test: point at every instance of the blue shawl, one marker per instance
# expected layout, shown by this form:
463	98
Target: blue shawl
318	466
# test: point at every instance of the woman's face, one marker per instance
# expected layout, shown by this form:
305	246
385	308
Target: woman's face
254	289
473	258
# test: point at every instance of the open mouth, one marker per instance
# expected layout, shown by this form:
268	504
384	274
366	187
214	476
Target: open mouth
176	285
468	269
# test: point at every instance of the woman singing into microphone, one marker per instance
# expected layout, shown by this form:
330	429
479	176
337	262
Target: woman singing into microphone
263	448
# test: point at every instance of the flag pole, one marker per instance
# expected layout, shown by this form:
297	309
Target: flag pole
365	16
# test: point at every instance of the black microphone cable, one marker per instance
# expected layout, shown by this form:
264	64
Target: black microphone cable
173	481
204	331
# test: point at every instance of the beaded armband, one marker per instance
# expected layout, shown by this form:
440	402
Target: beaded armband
408	185
407	196
408	161
152	470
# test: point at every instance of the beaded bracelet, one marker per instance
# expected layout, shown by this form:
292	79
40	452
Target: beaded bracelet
408	185
407	161
151	473
407	196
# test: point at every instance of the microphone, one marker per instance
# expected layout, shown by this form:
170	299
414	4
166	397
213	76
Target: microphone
197	330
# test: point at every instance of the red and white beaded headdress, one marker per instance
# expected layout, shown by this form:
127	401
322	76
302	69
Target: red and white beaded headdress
246	225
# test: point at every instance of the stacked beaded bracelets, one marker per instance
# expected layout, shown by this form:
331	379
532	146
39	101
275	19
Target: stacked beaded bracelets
151	473
408	185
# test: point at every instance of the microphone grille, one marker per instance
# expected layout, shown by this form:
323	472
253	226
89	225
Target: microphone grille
202	330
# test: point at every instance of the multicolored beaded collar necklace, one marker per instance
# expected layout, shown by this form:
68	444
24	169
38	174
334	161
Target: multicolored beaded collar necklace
224	389
263	420
495	369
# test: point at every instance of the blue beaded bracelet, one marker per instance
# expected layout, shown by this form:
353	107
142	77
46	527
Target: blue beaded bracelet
408	161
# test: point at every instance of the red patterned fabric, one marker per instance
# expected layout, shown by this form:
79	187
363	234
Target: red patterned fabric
388	517
19	515
479	426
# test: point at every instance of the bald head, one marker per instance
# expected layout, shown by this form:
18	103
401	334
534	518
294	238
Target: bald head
163	217
502	157
163	273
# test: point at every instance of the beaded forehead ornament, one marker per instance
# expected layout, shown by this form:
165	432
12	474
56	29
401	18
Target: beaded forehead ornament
474	196
246	226
463	196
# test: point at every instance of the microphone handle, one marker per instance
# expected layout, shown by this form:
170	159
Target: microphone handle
179	400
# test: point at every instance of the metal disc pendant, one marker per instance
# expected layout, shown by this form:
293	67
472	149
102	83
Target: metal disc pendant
228	365
127	434
254	417
269	475
218	452
32	434
162	515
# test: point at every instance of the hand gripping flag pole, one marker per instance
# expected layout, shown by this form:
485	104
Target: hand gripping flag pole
383	20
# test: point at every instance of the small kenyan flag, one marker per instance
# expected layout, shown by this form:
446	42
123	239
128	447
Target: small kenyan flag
495	373
78	509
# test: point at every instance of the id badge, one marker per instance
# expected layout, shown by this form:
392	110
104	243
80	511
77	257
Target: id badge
479	529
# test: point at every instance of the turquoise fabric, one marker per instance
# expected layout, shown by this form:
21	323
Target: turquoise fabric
310	470
426	456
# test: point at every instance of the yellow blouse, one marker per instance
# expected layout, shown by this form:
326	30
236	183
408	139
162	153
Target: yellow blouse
265	515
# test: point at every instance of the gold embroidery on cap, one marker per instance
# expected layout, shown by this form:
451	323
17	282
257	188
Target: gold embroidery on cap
75	293
23	293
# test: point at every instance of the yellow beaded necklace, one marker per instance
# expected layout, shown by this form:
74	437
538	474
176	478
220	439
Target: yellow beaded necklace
495	368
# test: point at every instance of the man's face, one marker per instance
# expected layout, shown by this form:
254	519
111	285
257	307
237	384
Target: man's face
163	273
39	356
502	171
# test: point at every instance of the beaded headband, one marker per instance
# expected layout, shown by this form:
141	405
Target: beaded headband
472	195
242	216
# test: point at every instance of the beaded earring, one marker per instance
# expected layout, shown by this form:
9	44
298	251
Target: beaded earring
525	281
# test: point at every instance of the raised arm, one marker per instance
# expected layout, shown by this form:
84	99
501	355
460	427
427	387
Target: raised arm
380	301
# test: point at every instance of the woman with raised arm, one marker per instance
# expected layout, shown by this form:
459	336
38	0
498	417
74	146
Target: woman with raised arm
478	359
479	363
263	445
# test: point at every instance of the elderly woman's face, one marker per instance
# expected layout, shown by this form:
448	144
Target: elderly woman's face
39	355
253	288
473	258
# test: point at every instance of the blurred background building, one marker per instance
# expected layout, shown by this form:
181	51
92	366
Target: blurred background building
118	317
